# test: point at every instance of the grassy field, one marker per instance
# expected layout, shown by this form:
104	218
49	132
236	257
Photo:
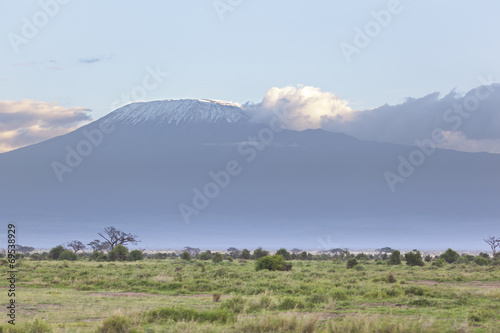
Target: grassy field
174	295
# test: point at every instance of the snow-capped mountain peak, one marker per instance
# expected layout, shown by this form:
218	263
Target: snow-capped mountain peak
179	112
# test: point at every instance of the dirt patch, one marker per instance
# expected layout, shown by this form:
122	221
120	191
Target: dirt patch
122	294
196	295
132	294
385	304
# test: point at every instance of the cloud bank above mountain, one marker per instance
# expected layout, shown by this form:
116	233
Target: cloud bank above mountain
468	122
27	122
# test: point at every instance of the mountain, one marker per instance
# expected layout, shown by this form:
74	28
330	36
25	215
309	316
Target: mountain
201	173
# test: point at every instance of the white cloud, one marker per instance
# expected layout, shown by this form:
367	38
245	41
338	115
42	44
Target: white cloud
27	122
471	124
458	141
299	108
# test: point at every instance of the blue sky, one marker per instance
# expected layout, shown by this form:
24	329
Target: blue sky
89	54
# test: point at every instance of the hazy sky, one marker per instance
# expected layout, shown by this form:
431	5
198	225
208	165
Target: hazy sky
89	57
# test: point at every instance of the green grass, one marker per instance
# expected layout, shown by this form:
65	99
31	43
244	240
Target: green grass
315	296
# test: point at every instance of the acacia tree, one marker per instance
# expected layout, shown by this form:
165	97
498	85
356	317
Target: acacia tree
24	249
192	250
493	242
114	237
97	245
76	245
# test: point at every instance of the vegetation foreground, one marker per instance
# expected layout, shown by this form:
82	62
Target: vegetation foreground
175	295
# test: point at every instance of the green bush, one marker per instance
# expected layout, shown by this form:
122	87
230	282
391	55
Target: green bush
273	263
395	258
115	324
481	261
414	290
439	263
414	258
185	314
185	256
119	253
339	294
67	255
217	257
207	255
284	253
259	253
289	303
245	254
317	298
55	252
362	256
96	255
450	256
36	257
234	304
351	263
135	255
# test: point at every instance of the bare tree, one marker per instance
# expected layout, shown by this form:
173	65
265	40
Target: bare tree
493	242
97	245
76	245
24	249
114	236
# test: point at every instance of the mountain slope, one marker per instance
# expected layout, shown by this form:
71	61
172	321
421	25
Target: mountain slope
151	161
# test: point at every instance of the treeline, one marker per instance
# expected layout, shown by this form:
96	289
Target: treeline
386	256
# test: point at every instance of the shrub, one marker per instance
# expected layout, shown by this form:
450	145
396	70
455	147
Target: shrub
245	254
36	326
96	254
234	304
55	252
391	278
438	263
67	255
428	258
119	253
207	255
362	256
284	253
339	294
289	303
414	290
259	253
135	255
187	314
351	263
217	257
395	258
115	324
36	257
317	298
414	258
481	261
273	263
185	256
450	256
484	255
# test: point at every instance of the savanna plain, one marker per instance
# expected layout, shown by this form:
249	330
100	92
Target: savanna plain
320	294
